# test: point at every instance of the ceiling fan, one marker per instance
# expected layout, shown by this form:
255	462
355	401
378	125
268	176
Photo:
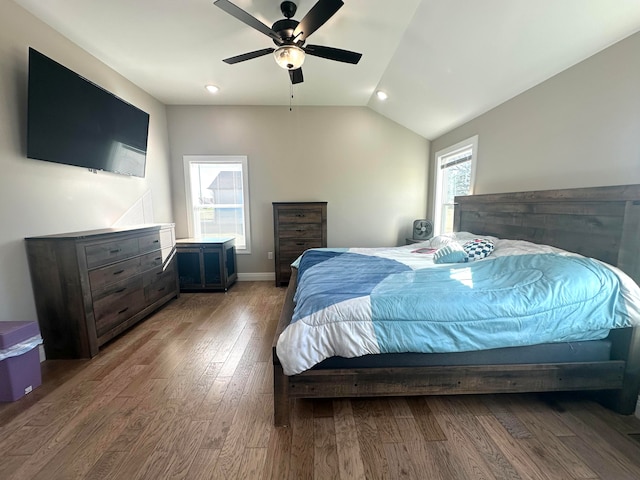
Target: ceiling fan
290	36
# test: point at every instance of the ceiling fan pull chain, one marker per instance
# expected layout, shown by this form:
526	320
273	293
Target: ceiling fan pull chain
291	97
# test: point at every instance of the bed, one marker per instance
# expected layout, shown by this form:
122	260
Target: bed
601	223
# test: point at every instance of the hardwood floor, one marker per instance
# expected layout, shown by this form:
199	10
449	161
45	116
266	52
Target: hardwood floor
187	394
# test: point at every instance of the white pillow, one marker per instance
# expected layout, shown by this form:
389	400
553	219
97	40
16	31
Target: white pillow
452	253
448	238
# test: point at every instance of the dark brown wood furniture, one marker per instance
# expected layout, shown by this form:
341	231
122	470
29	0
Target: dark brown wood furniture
297	226
91	286
601	222
206	263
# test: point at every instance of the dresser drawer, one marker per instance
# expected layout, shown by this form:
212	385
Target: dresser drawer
149	243
299	215
300	230
116	304
159	282
291	245
154	259
101	277
155	241
109	252
284	272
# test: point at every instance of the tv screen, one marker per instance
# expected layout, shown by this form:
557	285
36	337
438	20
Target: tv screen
71	120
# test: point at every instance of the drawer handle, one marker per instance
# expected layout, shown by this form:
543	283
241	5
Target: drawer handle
161	289
159	273
299	229
300	215
123	310
156	241
118	272
158	258
115	251
120	290
300	243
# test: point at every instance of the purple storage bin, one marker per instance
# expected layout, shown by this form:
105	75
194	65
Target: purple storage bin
19	359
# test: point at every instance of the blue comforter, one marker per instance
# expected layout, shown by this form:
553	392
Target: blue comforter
351	304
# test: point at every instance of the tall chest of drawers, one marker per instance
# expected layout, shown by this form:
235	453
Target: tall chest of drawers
91	286
297	226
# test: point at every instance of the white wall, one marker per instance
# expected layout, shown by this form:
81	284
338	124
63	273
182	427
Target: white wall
580	128
370	170
38	198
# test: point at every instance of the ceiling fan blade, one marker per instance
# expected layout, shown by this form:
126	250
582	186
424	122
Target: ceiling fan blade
248	56
296	76
322	11
331	53
247	19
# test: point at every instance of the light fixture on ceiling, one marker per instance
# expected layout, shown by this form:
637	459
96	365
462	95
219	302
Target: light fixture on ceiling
212	88
289	57
381	95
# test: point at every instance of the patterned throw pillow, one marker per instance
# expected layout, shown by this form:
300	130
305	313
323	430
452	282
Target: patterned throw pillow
452	253
478	248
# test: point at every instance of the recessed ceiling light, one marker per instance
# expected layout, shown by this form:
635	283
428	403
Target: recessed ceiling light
212	88
381	95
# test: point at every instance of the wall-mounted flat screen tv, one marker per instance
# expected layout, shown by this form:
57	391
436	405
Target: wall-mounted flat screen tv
73	121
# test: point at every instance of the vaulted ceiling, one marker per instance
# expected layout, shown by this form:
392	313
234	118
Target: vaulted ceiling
442	62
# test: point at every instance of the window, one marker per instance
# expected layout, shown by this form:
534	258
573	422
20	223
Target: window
218	198
455	172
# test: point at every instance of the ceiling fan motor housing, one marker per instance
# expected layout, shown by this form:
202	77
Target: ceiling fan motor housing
285	28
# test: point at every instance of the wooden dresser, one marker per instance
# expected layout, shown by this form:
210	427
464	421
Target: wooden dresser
91	286
297	226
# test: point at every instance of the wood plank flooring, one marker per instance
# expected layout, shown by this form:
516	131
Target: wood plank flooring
187	395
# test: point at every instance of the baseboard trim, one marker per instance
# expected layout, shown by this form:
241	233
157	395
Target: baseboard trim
257	277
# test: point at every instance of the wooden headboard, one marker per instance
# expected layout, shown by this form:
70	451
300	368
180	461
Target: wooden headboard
598	222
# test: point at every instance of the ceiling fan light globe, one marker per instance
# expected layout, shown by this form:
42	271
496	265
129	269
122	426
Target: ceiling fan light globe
289	57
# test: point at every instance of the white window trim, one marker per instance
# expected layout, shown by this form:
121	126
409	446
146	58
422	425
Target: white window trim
242	159
437	178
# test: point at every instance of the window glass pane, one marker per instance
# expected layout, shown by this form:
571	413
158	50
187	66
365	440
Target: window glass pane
447	218
456	181
217	197
454	178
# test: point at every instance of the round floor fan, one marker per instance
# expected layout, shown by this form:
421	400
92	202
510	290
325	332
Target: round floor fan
422	229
